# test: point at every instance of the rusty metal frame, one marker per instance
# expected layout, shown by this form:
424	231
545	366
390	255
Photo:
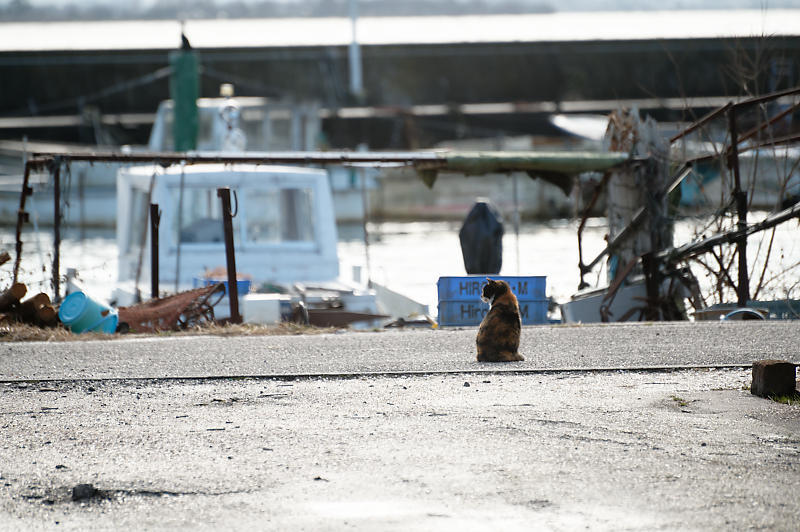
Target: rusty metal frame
730	105
638	217
419	160
737	237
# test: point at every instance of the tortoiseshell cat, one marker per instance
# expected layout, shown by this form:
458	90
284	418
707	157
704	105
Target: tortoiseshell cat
498	334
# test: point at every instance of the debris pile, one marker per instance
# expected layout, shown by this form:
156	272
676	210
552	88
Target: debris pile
36	310
176	312
172	313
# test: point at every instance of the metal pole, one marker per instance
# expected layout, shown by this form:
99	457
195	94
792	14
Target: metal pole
743	288
22	217
233	293
155	219
356	84
56	169
516	219
364	220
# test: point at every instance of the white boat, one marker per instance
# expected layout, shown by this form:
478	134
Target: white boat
284	235
283	229
590	305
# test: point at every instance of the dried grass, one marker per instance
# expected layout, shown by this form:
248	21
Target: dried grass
18	332
281	329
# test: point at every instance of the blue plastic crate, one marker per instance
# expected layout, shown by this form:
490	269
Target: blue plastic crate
468	288
242	285
470	313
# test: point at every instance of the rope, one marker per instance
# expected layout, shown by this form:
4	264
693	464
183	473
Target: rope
79	101
236	200
180	226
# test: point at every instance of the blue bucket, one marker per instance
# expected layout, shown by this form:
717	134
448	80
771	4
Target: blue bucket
82	314
242	285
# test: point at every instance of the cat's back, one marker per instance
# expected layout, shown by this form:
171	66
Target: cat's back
502	321
509	299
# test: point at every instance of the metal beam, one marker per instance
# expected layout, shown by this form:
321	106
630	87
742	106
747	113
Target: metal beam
467	162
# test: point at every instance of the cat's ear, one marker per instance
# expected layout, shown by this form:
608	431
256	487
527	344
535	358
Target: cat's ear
490	280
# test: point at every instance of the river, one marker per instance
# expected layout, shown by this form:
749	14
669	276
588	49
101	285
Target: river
410	257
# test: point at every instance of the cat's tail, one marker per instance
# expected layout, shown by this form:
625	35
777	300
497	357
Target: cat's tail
501	356
511	356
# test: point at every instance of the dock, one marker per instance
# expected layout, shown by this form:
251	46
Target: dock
637	426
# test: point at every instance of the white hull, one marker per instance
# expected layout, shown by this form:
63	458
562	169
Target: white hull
584	307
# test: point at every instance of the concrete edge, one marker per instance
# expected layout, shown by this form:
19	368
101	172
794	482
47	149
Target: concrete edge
386	374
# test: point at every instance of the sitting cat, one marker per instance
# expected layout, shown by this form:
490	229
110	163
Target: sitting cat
498	334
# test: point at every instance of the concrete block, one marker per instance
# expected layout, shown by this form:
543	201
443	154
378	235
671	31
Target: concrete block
773	377
262	309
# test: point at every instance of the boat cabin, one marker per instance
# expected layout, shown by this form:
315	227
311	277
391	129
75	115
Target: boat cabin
284	228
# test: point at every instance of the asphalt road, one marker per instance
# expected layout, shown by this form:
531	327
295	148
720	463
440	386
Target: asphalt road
409	351
465	446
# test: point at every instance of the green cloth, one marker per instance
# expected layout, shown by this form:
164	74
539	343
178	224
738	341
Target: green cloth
561	162
184	90
558	168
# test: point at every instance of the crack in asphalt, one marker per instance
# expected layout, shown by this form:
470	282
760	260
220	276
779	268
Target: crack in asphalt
64	494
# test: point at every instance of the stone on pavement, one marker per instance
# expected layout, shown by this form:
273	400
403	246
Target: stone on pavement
773	377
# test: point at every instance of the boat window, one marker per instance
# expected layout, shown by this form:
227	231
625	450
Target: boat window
200	216
167	141
252	124
279	215
205	131
280	131
207	134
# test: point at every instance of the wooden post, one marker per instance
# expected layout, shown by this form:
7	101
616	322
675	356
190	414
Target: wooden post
227	223
740	196
652	283
155	219
56	169
630	188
